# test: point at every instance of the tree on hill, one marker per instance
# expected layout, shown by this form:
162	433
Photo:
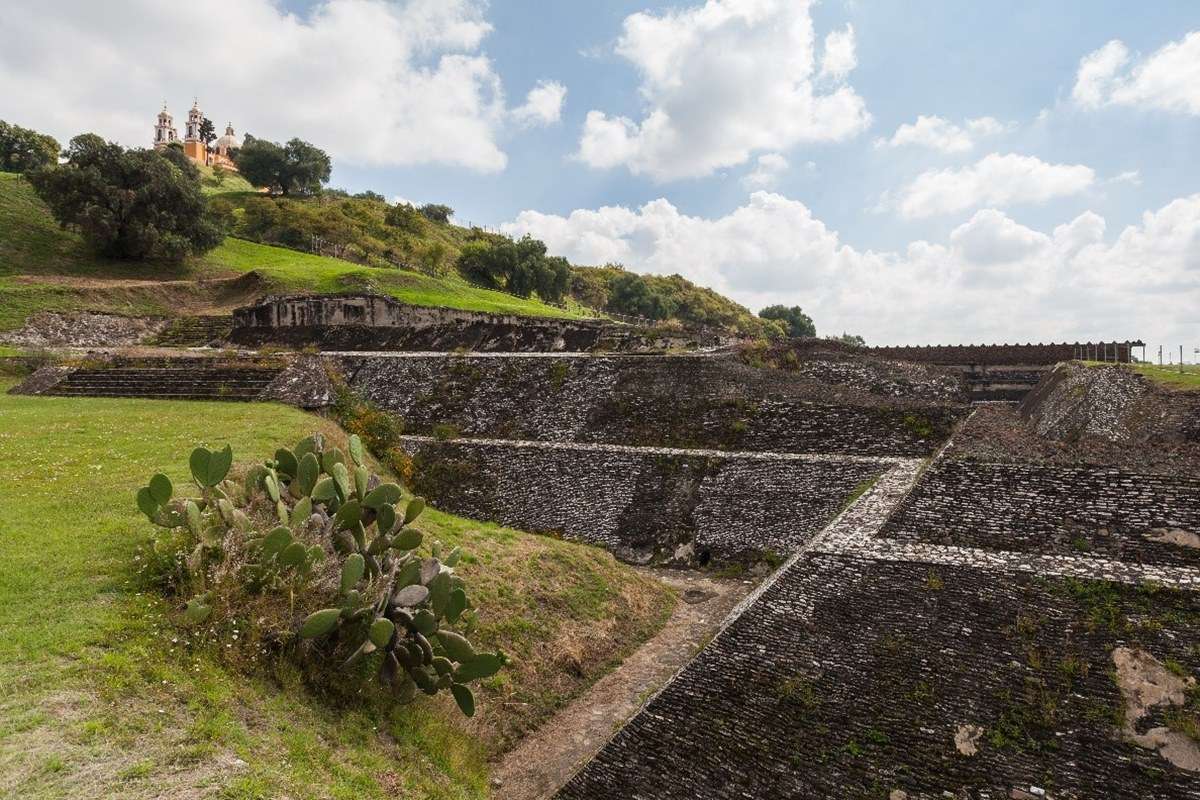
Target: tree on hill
22	149
520	267
630	293
797	322
437	212
129	204
294	168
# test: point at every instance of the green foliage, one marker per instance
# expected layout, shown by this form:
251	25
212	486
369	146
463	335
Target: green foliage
393	609
22	149
798	323
665	297
520	267
436	212
293	168
129	204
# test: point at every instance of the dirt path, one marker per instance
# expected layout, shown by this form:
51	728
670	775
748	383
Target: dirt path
547	758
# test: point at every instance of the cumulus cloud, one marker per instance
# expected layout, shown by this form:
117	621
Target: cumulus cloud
840	57
993	280
938	133
372	82
767	170
543	105
995	180
1168	79
721	81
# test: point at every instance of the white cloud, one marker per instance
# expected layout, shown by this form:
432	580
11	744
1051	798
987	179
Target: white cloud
994	180
1168	79
938	133
721	81
1131	176
372	82
543	104
994	280
767	170
840	57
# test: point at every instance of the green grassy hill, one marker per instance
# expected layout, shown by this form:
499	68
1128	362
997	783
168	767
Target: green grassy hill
46	268
103	696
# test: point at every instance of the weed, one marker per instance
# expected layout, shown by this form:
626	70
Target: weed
933	581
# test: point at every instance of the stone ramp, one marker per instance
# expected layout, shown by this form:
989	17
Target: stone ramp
181	382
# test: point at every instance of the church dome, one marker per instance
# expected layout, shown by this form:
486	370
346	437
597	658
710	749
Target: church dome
229	141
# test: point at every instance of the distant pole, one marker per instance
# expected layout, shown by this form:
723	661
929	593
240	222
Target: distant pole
1180	359
1160	355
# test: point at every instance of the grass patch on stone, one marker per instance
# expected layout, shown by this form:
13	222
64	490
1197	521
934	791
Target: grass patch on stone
101	696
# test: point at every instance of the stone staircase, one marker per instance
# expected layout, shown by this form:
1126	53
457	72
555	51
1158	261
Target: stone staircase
175	382
195	331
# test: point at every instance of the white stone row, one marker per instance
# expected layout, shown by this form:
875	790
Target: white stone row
749	455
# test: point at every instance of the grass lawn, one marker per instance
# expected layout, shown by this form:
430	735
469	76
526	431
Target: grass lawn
101	697
32	244
231	183
1188	378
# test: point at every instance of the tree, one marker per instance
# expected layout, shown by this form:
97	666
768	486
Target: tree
23	150
295	168
797	322
218	174
631	294
521	267
130	204
436	212
208	134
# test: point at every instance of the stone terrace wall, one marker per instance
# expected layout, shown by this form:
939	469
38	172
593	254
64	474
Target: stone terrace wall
1153	518
374	322
1007	354
679	507
852	678
694	401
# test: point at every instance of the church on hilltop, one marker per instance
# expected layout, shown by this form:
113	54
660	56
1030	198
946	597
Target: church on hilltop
198	144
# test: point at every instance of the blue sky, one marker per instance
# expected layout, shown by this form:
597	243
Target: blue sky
752	145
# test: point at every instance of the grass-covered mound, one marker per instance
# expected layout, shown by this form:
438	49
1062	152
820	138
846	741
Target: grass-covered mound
102	693
46	268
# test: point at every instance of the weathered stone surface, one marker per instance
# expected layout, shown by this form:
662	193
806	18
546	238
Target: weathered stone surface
846	676
643	504
375	322
693	401
1052	509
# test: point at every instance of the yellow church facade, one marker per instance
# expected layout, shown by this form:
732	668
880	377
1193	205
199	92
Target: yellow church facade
194	147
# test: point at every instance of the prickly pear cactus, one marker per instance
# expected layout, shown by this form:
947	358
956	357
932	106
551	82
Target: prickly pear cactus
393	609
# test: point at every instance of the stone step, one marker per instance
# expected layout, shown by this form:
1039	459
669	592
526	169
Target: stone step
195	331
170	380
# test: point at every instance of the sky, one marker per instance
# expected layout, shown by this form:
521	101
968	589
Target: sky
913	171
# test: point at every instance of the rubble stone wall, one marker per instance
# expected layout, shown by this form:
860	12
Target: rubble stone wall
691	401
374	322
643	504
851	677
1042	508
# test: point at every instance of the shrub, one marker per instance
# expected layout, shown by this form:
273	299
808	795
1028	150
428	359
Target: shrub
315	557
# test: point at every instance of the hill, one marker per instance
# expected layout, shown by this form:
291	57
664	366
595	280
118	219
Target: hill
46	268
